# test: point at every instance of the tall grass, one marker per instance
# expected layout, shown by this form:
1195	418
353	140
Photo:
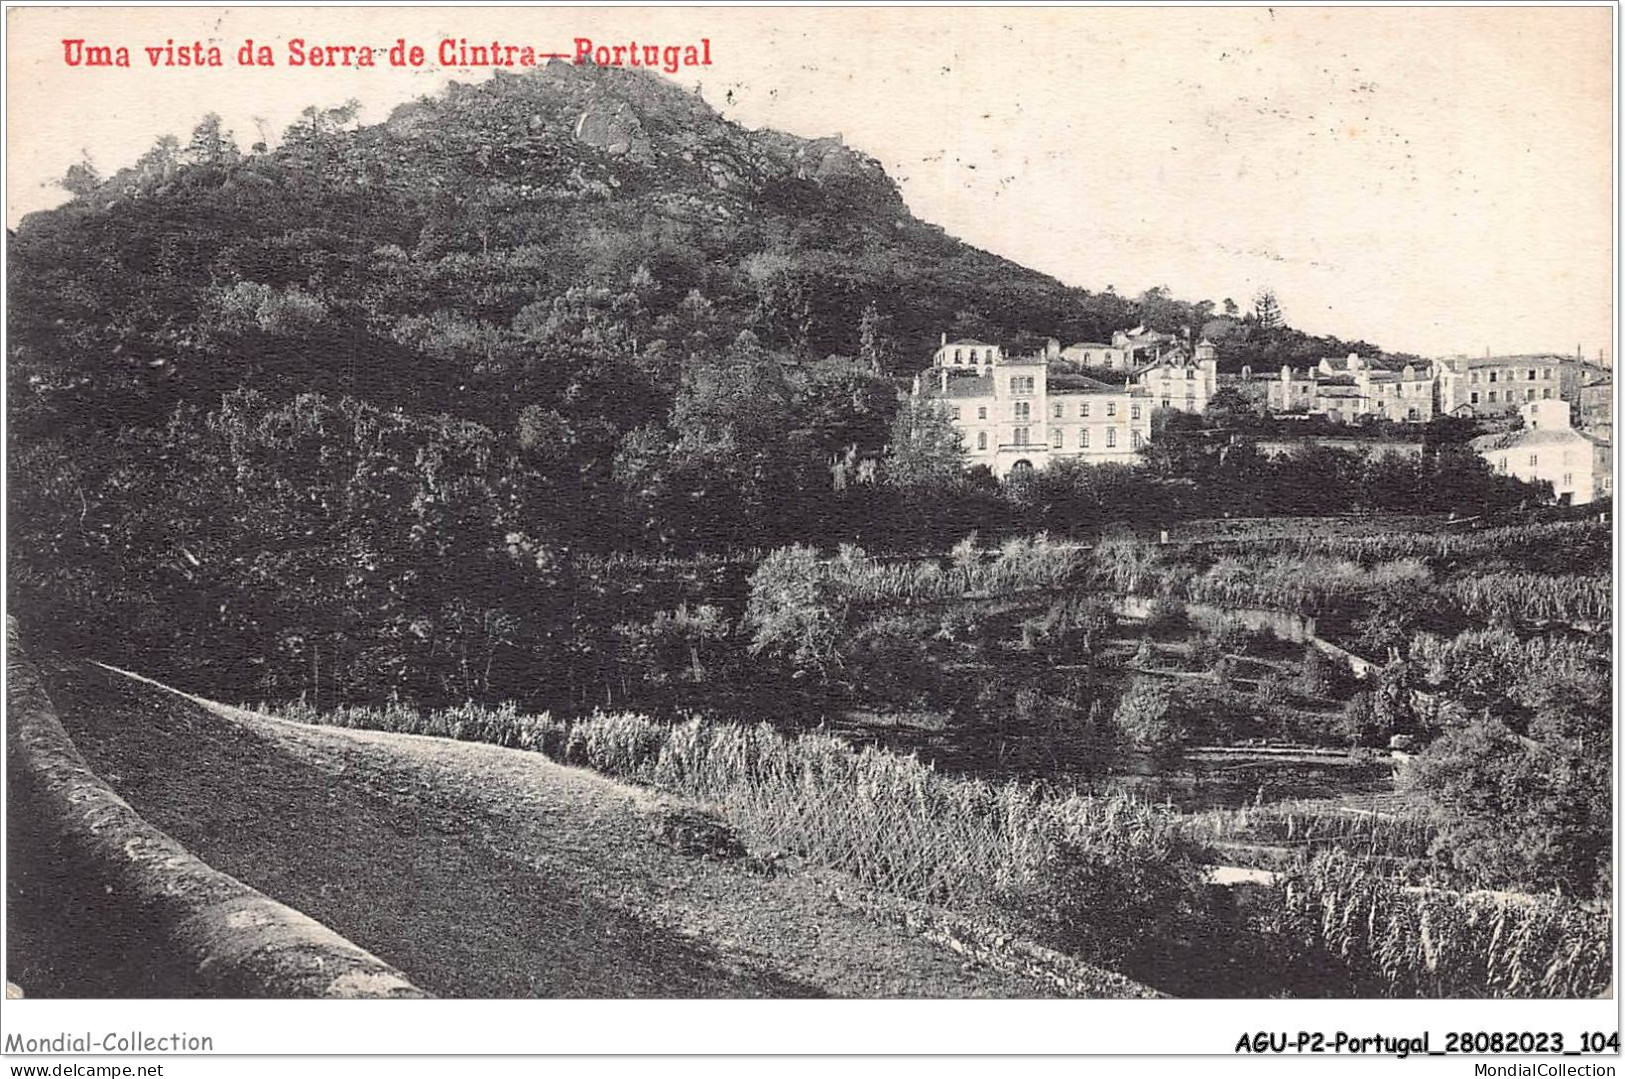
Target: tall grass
1114	879
1370	936
1534	597
1312	827
1572	543
893	822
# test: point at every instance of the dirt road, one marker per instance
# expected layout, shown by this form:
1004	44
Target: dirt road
486	872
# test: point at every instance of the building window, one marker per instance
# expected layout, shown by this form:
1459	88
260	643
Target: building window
1058	409
1492	376
1531	393
1134	412
954	412
1055	438
1022	385
1472	398
1546	392
1546	374
1534	459
1189	374
1024	411
1111	408
1135	440
1088	357
957	357
981	412
1165	402
1111	437
1492	397
1083	439
1568	479
1531	374
1021	436
981	440
1083	409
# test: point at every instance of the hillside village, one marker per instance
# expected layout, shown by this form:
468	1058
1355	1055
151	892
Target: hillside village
1545	417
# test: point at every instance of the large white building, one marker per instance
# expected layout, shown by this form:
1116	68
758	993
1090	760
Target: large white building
1491	385
1019	414
1549	448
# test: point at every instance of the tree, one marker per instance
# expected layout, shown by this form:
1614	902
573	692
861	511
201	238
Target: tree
797	610
1524	783
926	451
1228	409
210	145
1267	310
871	348
81	179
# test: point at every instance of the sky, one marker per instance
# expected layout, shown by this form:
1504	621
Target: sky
1434	180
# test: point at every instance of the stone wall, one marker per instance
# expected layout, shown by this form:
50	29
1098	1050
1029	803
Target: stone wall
236	941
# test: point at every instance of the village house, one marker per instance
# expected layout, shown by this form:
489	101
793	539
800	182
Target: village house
1018	414
1096	354
1181	382
1130	350
1351	390
1498	385
1549	448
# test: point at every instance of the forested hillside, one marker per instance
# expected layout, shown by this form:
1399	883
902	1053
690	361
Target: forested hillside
357	412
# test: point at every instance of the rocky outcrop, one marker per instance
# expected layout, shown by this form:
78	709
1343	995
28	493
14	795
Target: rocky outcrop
237	941
614	127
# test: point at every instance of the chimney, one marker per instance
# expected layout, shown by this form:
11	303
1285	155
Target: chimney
944	338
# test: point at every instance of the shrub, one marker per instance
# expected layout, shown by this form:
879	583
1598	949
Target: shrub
1360	724
695	831
1090	897
1146	717
1167	617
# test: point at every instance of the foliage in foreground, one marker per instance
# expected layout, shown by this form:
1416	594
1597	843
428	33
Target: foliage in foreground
1377	937
1117	880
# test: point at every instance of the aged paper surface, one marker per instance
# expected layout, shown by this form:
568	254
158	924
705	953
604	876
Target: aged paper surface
1102	505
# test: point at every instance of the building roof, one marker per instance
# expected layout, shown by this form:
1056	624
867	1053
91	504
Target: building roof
1088	344
966	342
1463	362
958	386
1540	436
1066	384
